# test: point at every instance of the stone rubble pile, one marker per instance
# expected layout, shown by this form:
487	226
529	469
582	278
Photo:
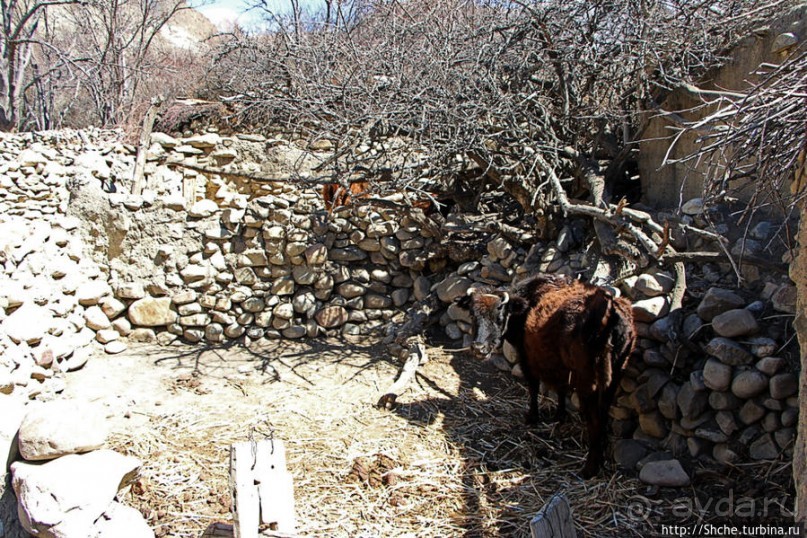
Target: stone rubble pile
66	484
50	290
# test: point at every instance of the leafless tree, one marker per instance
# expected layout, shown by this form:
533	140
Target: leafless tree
80	62
20	26
116	42
298	18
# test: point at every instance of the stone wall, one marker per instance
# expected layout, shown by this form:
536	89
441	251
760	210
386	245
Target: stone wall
87	269
278	267
90	265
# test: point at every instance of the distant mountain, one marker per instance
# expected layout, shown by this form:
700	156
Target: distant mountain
189	29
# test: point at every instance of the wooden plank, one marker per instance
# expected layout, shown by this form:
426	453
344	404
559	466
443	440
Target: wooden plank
554	520
189	189
275	487
245	500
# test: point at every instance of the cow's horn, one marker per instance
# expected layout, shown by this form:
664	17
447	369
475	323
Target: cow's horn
470	291
505	298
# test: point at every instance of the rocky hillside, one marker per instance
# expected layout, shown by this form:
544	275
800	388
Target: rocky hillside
188	30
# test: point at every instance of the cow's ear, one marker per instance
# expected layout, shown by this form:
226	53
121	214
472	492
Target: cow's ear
518	305
463	301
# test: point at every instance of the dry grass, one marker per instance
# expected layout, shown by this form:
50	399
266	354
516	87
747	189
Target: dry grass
456	458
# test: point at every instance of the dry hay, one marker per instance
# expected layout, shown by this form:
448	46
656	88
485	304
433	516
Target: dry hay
454	458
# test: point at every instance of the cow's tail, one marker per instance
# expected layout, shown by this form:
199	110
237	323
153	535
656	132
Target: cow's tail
608	337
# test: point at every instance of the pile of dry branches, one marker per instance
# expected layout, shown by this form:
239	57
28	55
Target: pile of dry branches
543	101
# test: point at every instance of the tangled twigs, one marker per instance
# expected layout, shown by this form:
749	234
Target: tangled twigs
753	137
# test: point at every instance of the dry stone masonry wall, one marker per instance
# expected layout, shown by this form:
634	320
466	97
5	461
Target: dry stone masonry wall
724	397
207	258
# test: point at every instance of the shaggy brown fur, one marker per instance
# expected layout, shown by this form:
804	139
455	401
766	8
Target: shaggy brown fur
335	195
570	335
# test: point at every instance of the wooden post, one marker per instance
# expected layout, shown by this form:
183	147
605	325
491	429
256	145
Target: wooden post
143	146
262	489
275	487
554	520
246	505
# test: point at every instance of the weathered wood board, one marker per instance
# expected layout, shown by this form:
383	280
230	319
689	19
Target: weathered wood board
262	489
554	520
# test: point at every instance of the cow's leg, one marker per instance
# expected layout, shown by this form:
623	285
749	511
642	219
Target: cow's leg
595	419
560	412
533	385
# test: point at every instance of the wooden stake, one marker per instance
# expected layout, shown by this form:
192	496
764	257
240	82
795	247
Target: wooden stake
143	146
554	520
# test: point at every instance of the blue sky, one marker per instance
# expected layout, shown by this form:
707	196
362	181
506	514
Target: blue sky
223	12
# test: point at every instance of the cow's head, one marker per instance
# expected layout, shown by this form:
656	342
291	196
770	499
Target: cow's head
490	310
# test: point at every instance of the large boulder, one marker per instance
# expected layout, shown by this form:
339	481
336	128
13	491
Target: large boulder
649	310
58	428
203	208
749	383
716	301
717	375
667	473
452	287
29	323
64	498
331	317
736	322
728	351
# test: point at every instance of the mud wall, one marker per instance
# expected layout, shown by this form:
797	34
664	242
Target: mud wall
671	185
798	272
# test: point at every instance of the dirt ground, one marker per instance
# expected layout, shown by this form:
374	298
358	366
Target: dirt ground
454	458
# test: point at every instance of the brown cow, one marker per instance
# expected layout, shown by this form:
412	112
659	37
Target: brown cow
568	334
336	195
